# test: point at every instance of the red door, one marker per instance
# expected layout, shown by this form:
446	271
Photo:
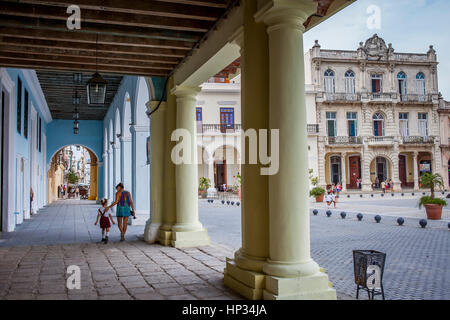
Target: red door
354	167
402	170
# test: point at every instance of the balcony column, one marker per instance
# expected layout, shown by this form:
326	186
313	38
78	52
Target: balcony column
290	271
157	127
188	231
244	273
416	171
344	171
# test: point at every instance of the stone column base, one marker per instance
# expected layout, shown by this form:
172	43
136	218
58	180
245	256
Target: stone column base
249	284
186	239
315	287
141	218
367	187
151	231
165	237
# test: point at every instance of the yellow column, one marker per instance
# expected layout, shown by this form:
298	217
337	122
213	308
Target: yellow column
169	191
188	231
93	180
244	273
158	125
291	272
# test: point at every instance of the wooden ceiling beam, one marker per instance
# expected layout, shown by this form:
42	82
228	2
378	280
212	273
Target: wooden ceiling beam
82	60
92	38
208	3
37	43
147	7
95	28
39	65
104	17
125	57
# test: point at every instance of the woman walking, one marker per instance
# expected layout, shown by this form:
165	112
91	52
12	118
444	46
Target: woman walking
125	208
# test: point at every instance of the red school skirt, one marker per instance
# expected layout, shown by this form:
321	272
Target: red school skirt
104	223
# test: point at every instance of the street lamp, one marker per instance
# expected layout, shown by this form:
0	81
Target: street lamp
75	127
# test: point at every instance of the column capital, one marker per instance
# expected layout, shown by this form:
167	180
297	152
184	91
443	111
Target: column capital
151	105
185	92
278	13
237	37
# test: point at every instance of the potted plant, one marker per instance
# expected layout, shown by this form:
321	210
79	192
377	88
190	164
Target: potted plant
433	206
318	193
238	184
204	184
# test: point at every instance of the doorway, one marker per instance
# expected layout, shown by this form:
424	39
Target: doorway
220	174
381	166
402	170
335	168
355	171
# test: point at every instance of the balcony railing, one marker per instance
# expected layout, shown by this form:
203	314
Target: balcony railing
418	140
313	128
342	96
416	98
380	96
218	128
343	140
380	140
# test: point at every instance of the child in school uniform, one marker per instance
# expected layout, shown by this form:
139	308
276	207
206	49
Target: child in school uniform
104	220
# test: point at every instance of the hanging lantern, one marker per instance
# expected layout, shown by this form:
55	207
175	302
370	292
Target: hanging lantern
75	127
76	99
96	89
76	114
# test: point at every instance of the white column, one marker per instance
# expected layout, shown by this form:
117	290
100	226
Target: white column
111	190
416	171
291	272
210	165
344	171
140	187
117	163
365	170
188	231
125	155
105	175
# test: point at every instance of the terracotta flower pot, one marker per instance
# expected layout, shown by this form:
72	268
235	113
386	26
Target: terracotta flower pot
239	193
434	211
320	198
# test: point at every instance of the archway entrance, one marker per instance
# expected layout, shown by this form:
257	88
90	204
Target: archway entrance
73	174
335	169
381	169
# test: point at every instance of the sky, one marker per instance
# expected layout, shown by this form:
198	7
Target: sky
410	25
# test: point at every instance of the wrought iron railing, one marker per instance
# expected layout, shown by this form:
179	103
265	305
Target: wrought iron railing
343	140
416	98
418	140
218	128
342	96
313	128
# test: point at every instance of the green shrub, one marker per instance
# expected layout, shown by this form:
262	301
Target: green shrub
429	200
317	192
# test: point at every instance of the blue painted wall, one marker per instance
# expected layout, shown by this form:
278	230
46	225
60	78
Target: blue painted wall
22	148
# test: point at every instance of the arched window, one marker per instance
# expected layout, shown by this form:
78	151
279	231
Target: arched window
420	83
335	169
329	84
350	82
401	77
378	124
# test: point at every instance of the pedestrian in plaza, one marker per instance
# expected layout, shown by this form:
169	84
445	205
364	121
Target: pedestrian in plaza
383	184
377	182
330	199
31	200
338	191
125	208
391	185
77	192
386	186
104	220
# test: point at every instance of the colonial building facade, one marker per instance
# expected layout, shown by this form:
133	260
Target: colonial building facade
218	120
373	115
444	112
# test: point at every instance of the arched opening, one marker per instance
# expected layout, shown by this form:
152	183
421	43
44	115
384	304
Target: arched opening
329	82
401	78
73	174
425	162
335	170
380	170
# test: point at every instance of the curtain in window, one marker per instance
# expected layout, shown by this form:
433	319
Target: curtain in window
420	84
423	128
329	84
404	128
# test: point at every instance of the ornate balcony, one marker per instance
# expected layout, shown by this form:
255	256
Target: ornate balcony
333	141
380	141
418	140
380	96
417	98
213	129
343	97
313	128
